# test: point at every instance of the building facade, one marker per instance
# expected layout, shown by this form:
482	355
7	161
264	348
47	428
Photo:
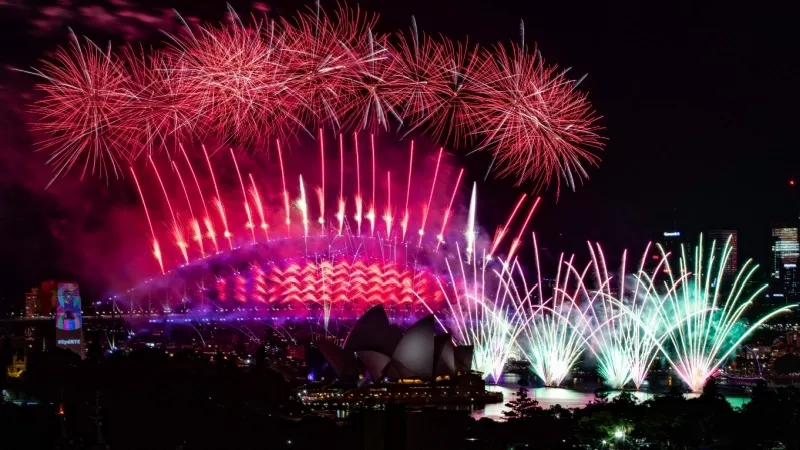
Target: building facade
721	237
785	254
32	303
69	319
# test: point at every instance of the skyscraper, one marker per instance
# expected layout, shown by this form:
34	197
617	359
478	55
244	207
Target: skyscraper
69	319
785	248
785	253
32	302
670	242
721	237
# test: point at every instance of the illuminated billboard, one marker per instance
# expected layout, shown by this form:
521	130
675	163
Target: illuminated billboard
69	321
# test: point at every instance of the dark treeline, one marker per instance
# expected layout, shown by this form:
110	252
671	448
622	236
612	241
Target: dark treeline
148	399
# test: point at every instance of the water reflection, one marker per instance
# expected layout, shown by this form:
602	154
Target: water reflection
567	398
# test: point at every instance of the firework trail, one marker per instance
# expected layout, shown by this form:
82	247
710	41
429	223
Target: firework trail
358	199
218	202
555	328
177	232
259	206
448	211
326	298
250	224
470	233
515	244
302	205
629	324
195	225
340	215
253	213
156	247
406	214
212	235
275	79
321	189
371	211
285	191
387	215
709	322
501	231
426	206
491	324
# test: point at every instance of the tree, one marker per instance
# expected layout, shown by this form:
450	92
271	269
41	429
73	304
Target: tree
600	397
664	420
522	407
713	415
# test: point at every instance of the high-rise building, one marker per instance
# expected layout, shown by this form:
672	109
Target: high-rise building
721	237
785	254
789	281
785	249
670	242
32	302
69	319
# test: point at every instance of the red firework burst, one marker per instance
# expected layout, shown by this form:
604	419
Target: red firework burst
84	94
321	54
234	79
532	118
441	91
159	114
253	83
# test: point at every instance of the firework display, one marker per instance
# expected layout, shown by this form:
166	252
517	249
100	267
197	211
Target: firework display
491	325
251	84
694	319
340	229
709	309
556	326
628	319
621	321
229	233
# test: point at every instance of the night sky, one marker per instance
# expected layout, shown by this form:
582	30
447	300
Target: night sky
699	106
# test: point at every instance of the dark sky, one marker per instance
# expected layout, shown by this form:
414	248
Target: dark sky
699	105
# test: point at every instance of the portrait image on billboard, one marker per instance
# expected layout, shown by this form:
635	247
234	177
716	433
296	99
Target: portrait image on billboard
69	321
68	311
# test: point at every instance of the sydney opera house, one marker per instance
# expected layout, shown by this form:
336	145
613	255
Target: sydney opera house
379	363
379	350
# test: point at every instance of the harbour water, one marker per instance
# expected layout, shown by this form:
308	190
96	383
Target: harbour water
568	398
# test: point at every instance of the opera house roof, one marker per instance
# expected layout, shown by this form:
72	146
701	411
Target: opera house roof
385	351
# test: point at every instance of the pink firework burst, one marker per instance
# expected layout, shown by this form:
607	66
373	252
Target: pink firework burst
373	102
533	119
270	80
322	54
234	78
84	94
440	89
159	114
